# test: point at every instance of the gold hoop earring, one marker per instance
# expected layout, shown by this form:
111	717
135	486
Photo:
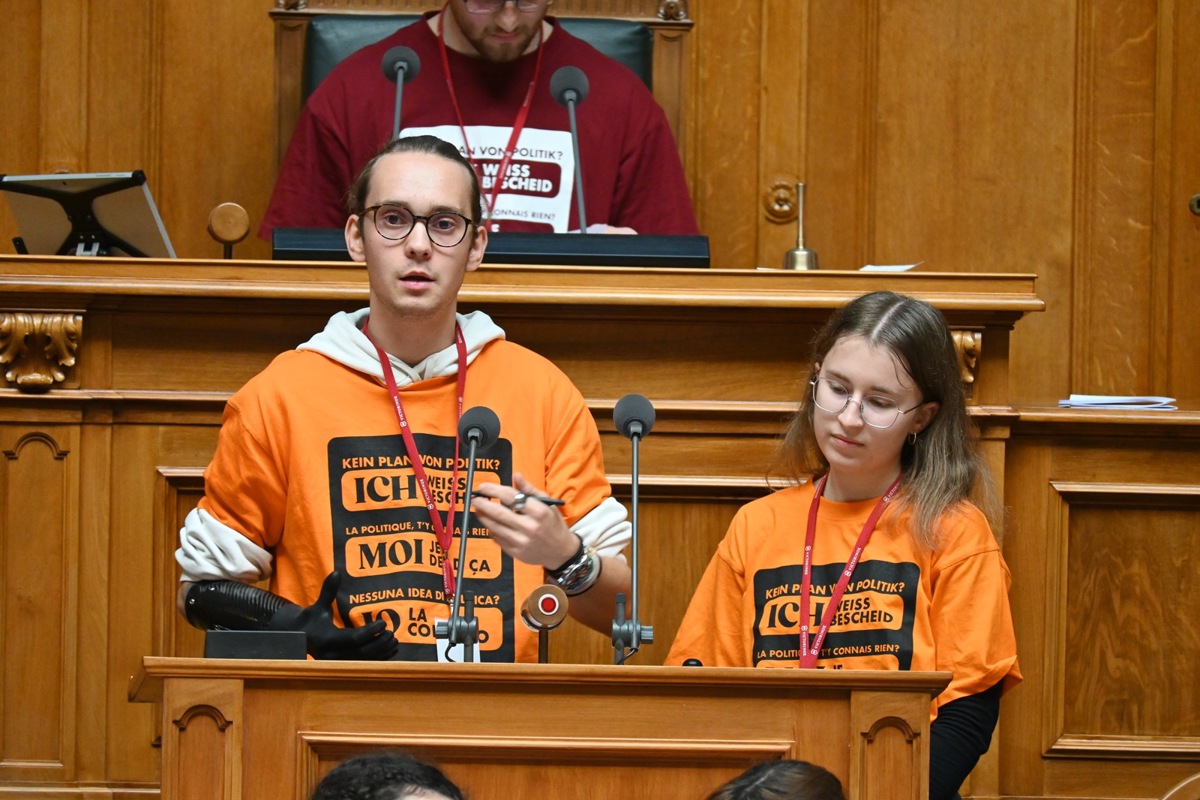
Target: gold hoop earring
912	438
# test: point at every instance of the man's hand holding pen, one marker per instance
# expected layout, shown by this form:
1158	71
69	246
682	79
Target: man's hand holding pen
525	522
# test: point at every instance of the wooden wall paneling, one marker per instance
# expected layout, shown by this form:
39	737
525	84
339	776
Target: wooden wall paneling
93	606
64	86
177	491
841	41
931	133
39	574
290	35
1129	570
727	38
995	428
566	8
21	99
123	82
217	119
969	142
1151	779
1101	548
44	93
1177	180
147	341
1188	789
968	164
1027	499
782	127
1114	225
679	360
162	445
970	138
136	451
672	68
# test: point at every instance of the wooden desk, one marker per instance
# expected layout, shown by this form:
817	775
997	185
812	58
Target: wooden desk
268	730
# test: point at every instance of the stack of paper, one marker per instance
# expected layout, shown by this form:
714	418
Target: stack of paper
889	267
1132	402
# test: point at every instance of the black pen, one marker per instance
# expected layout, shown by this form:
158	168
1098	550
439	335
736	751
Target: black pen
550	501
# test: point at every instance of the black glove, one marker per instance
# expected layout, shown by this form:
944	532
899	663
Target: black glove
372	642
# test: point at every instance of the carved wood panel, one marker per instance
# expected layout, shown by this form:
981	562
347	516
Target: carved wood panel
1101	543
39	588
1128	635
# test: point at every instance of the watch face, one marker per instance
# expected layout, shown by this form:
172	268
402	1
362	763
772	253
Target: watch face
580	574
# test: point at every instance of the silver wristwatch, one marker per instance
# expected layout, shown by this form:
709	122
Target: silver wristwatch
580	573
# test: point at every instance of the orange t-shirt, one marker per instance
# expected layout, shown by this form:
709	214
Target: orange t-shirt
905	608
311	466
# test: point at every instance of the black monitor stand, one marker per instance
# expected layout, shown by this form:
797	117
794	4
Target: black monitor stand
76	196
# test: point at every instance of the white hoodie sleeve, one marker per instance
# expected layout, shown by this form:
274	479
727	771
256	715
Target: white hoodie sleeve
211	551
605	528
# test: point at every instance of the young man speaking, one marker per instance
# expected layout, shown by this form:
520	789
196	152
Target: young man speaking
340	475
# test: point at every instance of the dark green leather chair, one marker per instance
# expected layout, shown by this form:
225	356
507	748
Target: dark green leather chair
332	37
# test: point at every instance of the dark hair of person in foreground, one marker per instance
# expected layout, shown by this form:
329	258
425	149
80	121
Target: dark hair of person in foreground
385	776
782	780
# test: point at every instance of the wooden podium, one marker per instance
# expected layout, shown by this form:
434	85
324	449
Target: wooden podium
269	730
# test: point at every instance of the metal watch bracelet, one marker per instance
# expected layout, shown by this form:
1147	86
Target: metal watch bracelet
579	574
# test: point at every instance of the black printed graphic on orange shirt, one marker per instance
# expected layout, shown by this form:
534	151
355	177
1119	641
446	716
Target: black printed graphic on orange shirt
387	550
873	627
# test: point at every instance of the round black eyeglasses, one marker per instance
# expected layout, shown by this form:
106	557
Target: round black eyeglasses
445	228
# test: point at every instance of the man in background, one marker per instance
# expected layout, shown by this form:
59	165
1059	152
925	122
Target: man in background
484	85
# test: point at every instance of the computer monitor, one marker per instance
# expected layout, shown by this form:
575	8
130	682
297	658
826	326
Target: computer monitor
559	249
86	214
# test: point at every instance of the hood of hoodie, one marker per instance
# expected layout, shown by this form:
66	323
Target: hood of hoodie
343	341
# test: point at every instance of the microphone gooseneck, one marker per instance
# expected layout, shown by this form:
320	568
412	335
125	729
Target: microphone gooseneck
569	86
478	427
400	65
634	418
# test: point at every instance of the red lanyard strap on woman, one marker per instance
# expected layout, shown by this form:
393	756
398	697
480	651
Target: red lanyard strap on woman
808	657
445	533
518	123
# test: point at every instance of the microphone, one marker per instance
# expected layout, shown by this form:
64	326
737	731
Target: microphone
478	427
400	61
545	608
634	417
569	86
543	611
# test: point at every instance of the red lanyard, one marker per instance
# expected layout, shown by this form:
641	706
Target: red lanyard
808	657
445	532
518	123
